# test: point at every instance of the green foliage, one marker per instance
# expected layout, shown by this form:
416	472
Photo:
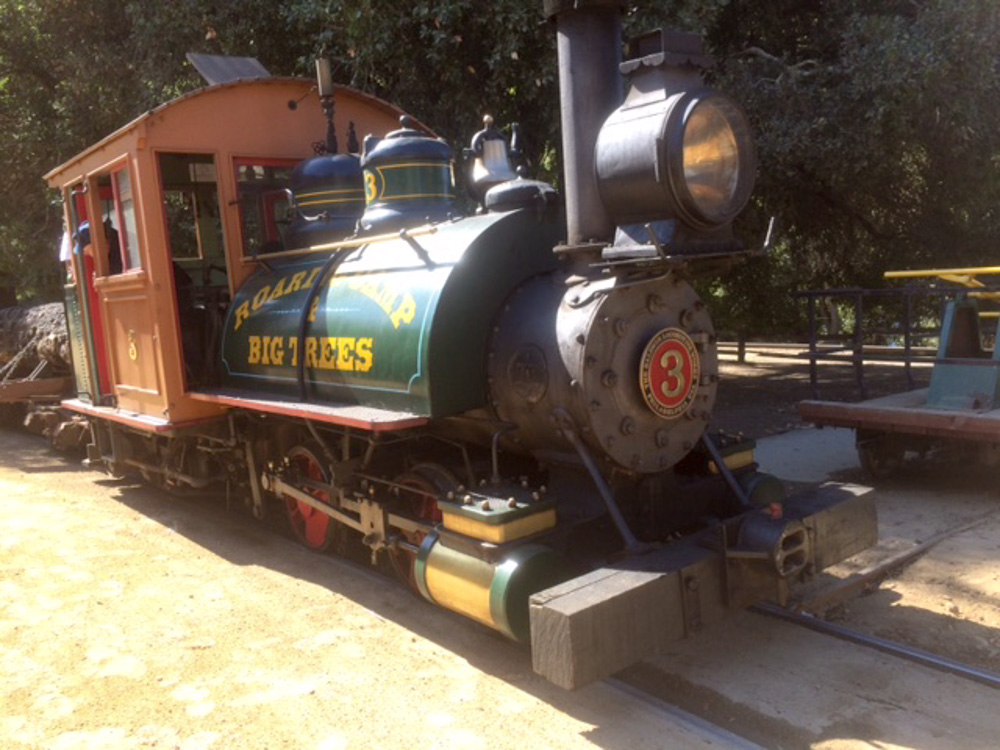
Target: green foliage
877	140
448	62
74	71
876	129
876	122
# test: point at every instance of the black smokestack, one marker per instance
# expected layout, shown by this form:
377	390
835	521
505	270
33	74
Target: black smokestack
590	89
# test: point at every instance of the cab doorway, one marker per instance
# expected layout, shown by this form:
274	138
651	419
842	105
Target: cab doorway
191	210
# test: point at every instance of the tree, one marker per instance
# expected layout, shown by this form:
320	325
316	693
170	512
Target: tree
448	62
875	121
73	71
877	136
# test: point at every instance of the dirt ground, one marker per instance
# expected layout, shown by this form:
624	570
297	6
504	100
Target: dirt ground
947	600
759	397
133	619
786	688
129	618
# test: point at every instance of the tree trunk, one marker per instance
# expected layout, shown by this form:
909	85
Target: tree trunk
30	335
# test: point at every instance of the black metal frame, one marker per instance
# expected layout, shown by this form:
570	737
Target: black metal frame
855	340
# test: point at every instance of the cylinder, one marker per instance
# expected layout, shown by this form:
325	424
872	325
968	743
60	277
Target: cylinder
494	593
590	89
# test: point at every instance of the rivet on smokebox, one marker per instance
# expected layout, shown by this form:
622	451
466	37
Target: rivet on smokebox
627	426
654	302
620	327
609	378
662	438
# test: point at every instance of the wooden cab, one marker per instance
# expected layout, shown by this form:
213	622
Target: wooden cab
166	215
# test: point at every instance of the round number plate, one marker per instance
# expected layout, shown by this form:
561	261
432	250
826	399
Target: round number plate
669	373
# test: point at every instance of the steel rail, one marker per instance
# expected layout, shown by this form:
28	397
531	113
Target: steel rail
893	648
723	738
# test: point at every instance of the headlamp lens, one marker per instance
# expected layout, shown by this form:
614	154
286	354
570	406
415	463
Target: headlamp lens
711	146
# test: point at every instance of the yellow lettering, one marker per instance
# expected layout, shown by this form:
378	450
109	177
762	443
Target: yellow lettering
253	356
293	344
328	353
345	354
242	313
312	277
313	309
386	300
405	313
296	282
363	355
260	297
278	292
276	350
312	344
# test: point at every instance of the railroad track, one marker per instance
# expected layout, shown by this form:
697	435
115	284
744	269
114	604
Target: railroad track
711	734
667	692
893	648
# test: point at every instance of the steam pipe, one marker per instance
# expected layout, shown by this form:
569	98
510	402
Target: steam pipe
590	89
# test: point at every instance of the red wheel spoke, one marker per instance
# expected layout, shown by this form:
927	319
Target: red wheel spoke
310	526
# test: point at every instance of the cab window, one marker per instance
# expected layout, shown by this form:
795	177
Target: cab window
190	194
121	183
118	221
261	186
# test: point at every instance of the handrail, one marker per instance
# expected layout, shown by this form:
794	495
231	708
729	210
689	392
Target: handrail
350	242
855	344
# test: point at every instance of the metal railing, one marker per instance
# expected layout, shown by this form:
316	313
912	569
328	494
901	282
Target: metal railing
859	345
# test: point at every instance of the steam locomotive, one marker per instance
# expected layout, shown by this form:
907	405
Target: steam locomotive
510	408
